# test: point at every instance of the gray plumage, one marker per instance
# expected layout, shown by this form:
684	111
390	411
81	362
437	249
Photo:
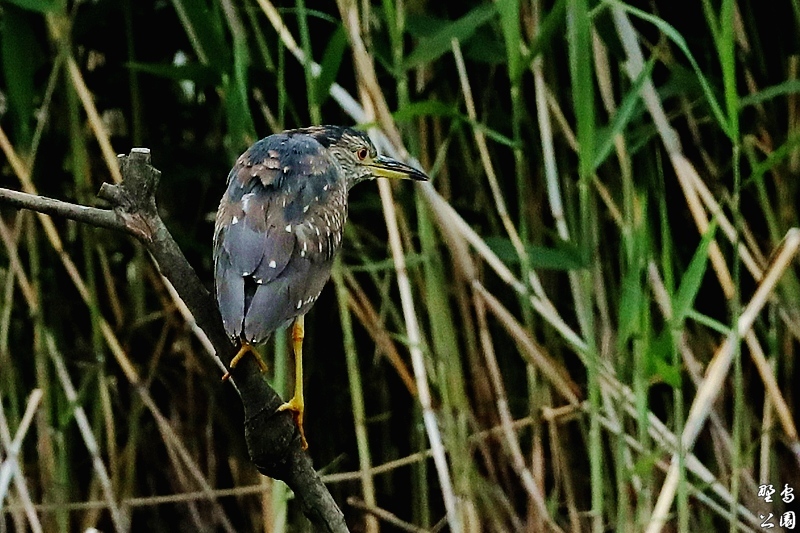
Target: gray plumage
280	223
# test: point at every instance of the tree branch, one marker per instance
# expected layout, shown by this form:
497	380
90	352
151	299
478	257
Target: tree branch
272	438
103	218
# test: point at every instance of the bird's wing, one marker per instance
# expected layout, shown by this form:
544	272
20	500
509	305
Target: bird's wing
273	241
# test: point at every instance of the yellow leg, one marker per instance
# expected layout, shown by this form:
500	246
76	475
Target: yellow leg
244	350
296	405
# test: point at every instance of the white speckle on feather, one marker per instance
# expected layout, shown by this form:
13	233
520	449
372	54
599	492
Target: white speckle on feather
288	228
305	209
299	304
273	264
235	220
246	201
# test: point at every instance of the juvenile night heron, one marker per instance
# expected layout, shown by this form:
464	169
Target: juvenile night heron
279	227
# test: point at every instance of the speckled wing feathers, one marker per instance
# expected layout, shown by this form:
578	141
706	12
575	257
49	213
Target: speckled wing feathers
278	227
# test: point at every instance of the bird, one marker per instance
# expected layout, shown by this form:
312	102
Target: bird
278	229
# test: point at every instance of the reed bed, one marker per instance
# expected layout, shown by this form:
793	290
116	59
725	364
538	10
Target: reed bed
586	321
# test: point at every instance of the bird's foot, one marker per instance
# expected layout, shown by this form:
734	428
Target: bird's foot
244	350
297	408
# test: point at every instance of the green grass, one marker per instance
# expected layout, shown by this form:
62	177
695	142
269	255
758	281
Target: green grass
610	189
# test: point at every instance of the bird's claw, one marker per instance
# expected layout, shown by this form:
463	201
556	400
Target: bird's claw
297	408
244	350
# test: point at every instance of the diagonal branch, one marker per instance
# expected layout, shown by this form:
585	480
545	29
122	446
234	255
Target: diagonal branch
272	439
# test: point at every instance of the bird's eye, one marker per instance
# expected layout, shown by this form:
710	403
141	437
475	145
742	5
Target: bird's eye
362	154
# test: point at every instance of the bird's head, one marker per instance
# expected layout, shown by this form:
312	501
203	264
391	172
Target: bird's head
359	158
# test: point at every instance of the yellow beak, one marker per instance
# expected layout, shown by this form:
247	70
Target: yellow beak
386	167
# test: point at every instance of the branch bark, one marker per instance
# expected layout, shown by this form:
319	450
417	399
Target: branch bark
272	438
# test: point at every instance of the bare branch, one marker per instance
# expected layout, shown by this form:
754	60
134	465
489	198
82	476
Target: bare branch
104	218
